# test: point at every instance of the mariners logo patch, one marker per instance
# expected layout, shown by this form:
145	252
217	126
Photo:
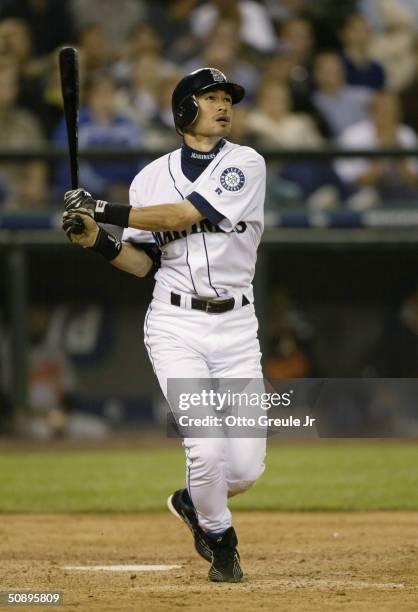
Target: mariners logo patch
232	179
217	75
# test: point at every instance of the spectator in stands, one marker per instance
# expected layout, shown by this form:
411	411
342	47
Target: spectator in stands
144	44
327	18
39	85
174	29
273	123
290	337
144	39
16	42
52	388
139	100
256	29
161	132
393	44
296	37
377	11
380	180
279	70
361	69
51	381
117	18
24	183
96	50
340	104
224	51
102	126
16	48
297	41
50	21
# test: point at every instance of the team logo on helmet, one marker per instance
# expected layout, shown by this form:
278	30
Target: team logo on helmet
232	179
217	75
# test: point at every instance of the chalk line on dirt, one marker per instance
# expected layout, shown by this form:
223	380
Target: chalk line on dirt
121	568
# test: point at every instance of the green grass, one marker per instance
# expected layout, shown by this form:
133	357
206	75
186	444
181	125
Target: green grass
331	476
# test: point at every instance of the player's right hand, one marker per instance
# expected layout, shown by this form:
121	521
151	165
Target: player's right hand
90	228
77	199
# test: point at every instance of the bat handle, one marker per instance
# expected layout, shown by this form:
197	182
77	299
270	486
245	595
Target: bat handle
74	173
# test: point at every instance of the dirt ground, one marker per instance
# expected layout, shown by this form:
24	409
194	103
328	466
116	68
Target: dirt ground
292	561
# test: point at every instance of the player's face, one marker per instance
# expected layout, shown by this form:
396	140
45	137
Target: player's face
215	114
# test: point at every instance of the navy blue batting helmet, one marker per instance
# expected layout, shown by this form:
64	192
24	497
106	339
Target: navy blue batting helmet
184	104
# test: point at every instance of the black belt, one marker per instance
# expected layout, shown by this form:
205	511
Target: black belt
210	306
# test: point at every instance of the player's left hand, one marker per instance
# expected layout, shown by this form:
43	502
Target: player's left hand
87	238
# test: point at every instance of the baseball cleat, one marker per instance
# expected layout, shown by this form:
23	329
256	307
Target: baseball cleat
181	506
225	562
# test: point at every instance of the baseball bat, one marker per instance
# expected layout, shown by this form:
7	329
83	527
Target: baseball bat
68	62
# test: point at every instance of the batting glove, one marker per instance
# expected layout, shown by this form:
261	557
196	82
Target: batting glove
99	210
80	198
78	222
92	236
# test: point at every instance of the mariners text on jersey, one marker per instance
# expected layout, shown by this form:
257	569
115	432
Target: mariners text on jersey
162	238
229	191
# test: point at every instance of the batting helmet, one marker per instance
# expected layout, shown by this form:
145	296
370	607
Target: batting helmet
184	104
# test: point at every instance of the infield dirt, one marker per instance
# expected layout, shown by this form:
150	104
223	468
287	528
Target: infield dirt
292	562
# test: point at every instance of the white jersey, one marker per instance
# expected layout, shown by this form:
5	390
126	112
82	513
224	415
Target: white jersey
215	257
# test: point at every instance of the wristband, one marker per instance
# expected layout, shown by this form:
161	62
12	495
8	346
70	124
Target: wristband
106	245
114	214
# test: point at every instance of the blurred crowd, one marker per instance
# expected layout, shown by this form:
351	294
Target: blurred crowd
316	73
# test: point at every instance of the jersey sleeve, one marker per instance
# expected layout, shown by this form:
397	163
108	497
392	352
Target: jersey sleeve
234	189
131	234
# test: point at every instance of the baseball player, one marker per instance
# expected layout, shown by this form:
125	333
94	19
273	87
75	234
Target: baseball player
194	221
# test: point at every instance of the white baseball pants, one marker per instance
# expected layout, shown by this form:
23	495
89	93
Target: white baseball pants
193	344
